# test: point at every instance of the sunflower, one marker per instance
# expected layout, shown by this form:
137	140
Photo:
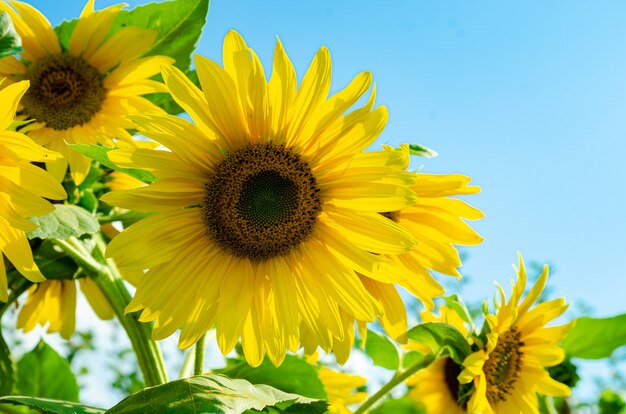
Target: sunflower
339	387
436	387
22	186
436	221
266	206
510	370
53	301
81	95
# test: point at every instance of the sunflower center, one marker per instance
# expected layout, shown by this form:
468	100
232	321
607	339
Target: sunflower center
262	202
503	366
65	91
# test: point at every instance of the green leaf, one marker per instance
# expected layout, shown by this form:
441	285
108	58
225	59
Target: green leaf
54	264
64	222
455	303
7	375
212	393
422	151
10	42
403	405
64	32
179	25
293	375
99	153
382	351
45	405
595	338
44	373
442	338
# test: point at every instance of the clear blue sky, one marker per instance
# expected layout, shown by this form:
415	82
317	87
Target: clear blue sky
528	98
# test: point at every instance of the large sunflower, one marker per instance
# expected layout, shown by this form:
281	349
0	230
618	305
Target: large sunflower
53	302
81	95
436	221
265	207
436	387
22	188
510	371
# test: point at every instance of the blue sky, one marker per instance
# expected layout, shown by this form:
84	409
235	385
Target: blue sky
528	98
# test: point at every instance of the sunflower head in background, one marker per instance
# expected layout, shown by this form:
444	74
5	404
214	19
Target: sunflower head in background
437	387
53	303
511	369
266	206
82	94
23	188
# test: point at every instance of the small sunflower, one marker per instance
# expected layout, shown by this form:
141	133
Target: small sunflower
436	387
266	206
53	302
81	95
22	189
510	371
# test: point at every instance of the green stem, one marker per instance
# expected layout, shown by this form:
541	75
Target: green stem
109	281
397	379
19	285
198	366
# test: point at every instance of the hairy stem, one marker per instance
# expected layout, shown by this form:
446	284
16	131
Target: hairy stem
397	379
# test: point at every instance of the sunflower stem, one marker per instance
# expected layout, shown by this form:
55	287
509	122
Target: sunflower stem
107	277
198	367
397	379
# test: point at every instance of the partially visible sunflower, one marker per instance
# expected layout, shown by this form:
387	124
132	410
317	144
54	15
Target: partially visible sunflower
265	207
22	190
436	387
83	94
437	221
340	390
53	302
510	371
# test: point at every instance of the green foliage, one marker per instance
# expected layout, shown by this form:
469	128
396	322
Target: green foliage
565	373
64	222
44	373
443	339
99	153
49	406
403	405
595	338
294	375
52	263
422	151
455	303
179	25
382	351
10	42
7	375
213	394
611	403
